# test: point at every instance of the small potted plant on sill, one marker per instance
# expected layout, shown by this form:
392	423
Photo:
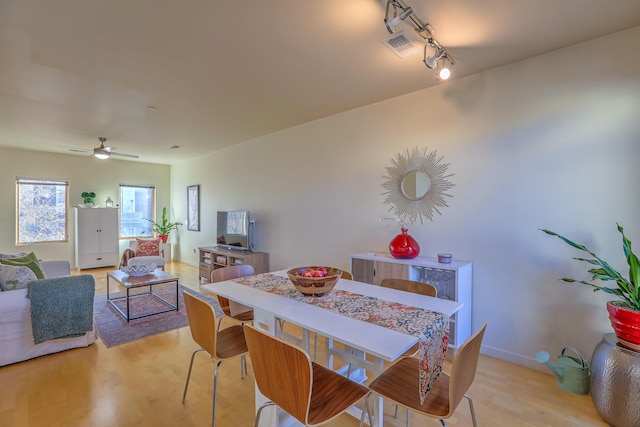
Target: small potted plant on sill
625	312
164	227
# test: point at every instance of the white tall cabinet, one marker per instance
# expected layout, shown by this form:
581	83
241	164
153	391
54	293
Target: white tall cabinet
452	281
96	231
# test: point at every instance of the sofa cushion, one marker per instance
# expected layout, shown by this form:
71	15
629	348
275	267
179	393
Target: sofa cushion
5	256
147	247
30	261
15	277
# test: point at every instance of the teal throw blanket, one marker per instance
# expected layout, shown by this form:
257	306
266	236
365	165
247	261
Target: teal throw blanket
61	307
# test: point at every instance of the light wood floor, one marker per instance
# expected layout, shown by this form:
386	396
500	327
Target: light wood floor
141	383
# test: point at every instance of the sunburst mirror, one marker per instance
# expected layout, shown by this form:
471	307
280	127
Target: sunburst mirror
417	185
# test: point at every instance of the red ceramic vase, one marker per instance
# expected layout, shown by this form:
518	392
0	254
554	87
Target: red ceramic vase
404	246
626	324
163	237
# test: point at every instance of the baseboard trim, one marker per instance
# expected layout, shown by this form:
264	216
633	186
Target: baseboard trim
515	358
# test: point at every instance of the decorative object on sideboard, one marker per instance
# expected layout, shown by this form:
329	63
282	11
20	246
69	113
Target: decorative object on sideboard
404	246
444	258
164	227
88	197
108	203
416	187
625	312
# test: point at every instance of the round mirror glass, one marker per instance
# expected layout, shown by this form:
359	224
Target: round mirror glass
415	185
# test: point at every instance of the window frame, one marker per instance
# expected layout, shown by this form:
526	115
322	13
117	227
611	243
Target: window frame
153	208
20	181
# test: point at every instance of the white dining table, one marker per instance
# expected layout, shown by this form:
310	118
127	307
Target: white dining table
360	338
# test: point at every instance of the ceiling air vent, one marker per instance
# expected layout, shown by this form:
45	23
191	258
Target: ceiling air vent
400	44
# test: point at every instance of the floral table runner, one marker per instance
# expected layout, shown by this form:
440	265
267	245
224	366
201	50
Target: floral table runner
430	327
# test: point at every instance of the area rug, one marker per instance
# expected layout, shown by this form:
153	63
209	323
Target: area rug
113	328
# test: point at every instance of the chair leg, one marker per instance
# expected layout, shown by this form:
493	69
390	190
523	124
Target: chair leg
260	412
215	390
366	410
243	366
186	385
443	423
473	412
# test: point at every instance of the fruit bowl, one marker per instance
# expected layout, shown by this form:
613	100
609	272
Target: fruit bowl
310	285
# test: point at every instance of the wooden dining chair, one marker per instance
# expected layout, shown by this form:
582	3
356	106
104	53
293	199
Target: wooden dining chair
228	273
400	383
221	344
410	286
285	374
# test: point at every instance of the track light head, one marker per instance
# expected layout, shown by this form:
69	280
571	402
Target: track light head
439	52
444	68
405	12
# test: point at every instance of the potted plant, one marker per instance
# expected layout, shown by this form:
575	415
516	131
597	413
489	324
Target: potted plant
163	228
625	312
88	197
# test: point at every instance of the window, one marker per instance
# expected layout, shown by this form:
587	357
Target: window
136	207
42	211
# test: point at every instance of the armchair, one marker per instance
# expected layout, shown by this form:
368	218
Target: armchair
143	251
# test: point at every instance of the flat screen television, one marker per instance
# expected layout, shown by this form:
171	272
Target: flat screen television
234	230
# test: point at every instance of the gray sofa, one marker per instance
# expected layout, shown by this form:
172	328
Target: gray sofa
16	334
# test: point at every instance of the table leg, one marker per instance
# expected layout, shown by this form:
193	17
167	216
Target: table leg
128	315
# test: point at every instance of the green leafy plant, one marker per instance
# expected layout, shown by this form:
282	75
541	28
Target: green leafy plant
628	290
88	196
164	227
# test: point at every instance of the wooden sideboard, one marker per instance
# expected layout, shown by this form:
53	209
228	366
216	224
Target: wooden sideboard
212	257
453	281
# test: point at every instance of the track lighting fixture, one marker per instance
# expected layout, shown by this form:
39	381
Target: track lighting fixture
396	12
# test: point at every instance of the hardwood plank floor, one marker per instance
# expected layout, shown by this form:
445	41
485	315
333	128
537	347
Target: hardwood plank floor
141	383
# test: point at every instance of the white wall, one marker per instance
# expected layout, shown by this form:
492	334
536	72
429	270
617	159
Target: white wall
550	142
84	173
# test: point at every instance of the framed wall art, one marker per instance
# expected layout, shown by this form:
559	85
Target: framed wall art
193	207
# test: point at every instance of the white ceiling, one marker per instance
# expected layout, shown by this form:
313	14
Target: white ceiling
219	73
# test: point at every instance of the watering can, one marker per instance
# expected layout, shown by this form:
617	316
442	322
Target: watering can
572	372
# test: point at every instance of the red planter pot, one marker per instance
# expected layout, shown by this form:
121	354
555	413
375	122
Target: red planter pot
626	324
163	237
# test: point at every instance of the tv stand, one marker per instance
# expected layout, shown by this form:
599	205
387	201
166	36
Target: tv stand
212	257
232	248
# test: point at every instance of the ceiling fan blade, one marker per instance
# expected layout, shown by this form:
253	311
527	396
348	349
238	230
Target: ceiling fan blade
133	156
76	149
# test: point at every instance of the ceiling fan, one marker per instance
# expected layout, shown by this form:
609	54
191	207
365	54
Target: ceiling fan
102	152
